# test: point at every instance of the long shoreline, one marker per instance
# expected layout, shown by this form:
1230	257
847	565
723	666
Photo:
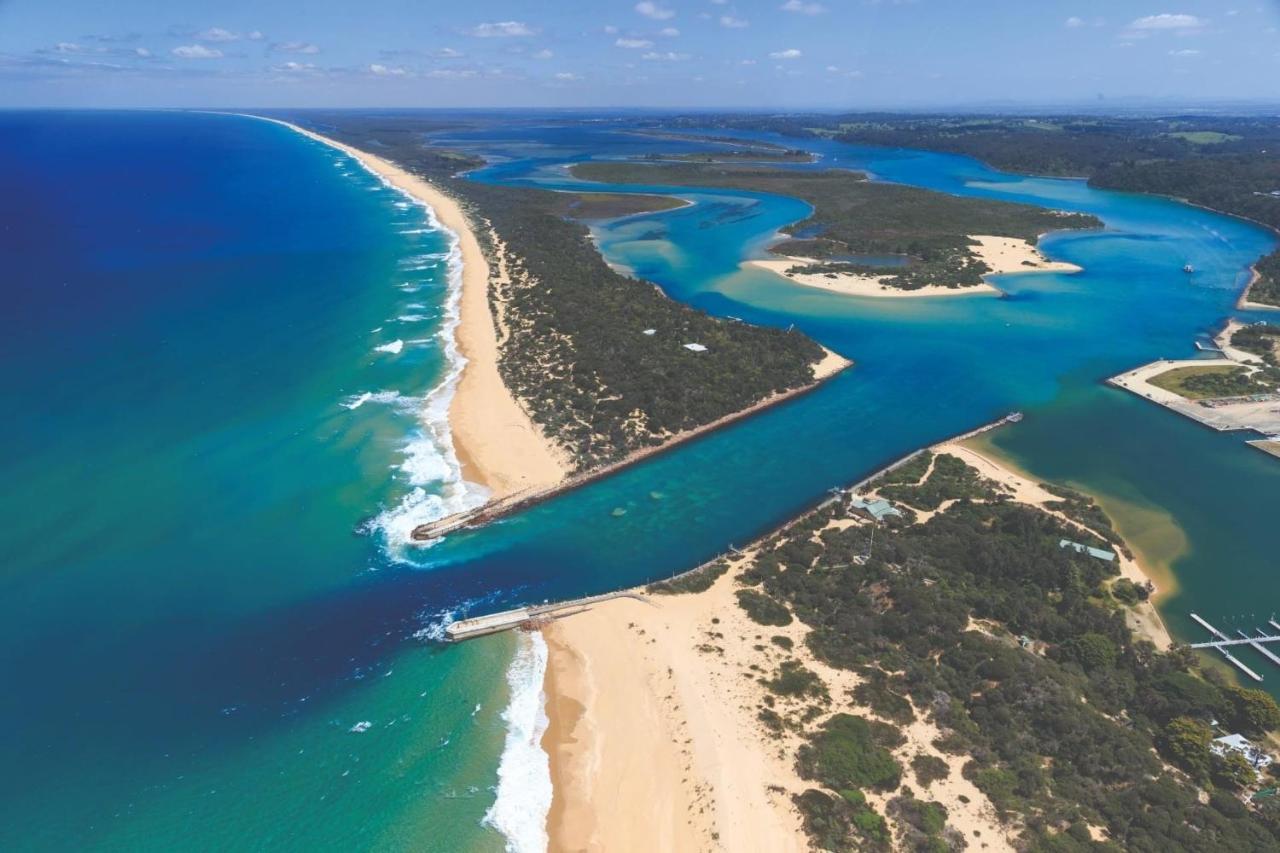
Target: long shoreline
496	443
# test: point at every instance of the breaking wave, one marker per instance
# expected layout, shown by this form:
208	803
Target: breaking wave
524	774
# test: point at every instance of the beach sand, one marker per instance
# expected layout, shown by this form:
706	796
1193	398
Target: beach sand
654	739
1244	303
498	445
655	742
1001	254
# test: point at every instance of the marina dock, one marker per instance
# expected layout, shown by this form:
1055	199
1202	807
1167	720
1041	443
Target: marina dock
1222	643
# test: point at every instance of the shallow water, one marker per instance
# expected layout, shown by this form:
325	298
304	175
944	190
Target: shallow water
197	611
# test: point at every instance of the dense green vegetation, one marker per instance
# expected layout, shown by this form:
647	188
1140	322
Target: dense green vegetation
853	217
1228	163
576	354
588	206
1261	339
1079	725
950	479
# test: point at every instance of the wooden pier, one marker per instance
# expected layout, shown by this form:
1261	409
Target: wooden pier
1222	642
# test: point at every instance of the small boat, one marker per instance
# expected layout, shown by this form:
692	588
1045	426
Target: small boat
1187	268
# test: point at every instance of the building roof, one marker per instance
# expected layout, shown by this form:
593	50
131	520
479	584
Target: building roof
877	509
695	347
1081	548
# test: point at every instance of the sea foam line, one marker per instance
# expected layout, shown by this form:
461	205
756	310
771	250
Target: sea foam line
430	452
524	773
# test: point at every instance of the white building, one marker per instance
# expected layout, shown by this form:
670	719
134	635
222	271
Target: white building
1239	743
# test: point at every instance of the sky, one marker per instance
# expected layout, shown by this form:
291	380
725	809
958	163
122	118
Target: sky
765	54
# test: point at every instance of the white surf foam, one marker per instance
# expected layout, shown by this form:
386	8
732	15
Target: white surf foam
524	773
412	318
390	398
450	493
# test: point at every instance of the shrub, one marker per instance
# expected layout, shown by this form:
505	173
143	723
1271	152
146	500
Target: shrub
763	609
929	769
844	754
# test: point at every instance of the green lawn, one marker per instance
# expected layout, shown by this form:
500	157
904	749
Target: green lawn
1199	383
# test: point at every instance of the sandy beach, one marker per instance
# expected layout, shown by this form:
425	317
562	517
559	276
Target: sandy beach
498	445
654	739
1002	254
1244	303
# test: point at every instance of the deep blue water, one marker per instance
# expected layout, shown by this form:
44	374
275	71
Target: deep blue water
192	617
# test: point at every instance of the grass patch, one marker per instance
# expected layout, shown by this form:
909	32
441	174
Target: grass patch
1202	383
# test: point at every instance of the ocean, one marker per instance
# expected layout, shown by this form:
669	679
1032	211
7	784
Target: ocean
226	360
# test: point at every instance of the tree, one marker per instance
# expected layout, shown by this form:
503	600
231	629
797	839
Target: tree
1252	710
1186	741
1092	651
1233	771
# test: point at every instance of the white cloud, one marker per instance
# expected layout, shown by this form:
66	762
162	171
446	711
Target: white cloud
379	70
652	10
447	53
254	35
453	74
669	32
733	23
502	29
1168	21
567	76
802	8
68	47
789	53
543	54
1073	22
610	30
1186	52
634	44
292	67
296	47
668	56
196	51
217	34
141	51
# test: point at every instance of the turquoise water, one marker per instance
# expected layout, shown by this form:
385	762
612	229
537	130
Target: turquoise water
206	593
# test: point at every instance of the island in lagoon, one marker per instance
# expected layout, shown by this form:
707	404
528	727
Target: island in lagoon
946	244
